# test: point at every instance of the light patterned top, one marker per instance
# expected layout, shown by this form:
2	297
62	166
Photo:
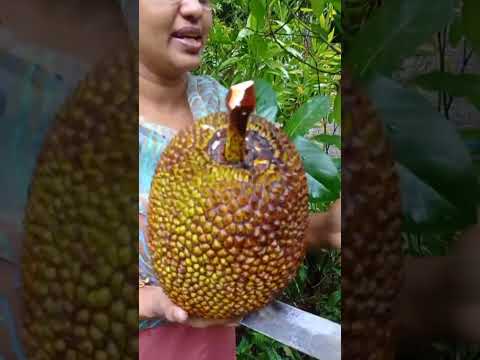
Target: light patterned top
205	95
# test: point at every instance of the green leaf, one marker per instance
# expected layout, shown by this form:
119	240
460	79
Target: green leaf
456	31
243	346
471	137
266	100
336	115
245	32
294	52
229	62
258	11
258	46
318	164
318	191
337	5
307	116
252	22
318	6
288	351
438	158
471	9
459	85
329	139
395	31
425	208
272	355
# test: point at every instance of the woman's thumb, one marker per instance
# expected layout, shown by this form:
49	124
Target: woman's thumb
178	314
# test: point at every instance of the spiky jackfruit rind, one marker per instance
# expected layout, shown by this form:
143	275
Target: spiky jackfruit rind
79	267
372	253
226	240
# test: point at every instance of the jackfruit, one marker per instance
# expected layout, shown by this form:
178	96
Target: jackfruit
228	212
79	263
372	252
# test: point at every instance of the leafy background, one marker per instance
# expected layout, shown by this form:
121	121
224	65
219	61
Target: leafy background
292	50
415	58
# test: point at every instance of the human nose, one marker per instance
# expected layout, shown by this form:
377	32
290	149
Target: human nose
192	8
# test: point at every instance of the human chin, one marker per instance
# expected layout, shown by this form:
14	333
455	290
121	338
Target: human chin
186	61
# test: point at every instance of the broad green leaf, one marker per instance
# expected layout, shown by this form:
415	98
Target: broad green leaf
318	191
338	163
471	10
329	139
424	208
318	164
252	22
266	100
458	85
456	31
307	116
318	6
437	157
395	31
258	11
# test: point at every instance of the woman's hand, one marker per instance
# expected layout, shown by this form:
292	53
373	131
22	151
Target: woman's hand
154	304
325	230
440	298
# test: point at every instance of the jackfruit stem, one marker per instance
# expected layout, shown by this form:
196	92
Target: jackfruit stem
241	103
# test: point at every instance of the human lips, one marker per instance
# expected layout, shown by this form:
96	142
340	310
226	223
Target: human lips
189	38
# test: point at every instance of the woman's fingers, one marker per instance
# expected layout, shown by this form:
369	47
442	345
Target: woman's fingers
175	314
203	323
155	303
170	311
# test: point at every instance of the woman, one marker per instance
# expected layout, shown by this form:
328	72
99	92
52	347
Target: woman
172	36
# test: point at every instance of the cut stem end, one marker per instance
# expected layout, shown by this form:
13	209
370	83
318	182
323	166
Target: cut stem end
241	103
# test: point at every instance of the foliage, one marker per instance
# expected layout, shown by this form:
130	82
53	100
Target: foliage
285	43
438	162
444	182
292	51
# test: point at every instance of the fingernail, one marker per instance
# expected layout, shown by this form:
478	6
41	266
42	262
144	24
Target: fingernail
180	315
